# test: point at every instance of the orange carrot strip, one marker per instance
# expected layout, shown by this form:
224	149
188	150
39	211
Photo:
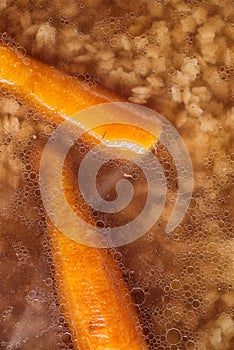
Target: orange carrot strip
95	299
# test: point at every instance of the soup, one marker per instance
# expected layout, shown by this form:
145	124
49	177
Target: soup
175	57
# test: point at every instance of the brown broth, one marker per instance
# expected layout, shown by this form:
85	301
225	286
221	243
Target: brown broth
182	283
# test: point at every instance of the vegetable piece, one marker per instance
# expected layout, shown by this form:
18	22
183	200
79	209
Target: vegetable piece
92	292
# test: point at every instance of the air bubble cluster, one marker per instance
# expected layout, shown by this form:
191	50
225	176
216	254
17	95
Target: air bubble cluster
28	270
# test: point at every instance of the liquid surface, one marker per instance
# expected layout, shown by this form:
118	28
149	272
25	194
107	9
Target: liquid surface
176	57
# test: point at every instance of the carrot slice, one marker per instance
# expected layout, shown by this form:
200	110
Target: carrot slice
46	84
96	301
57	92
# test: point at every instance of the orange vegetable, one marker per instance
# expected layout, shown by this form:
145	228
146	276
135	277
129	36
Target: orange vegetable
93	295
96	301
59	93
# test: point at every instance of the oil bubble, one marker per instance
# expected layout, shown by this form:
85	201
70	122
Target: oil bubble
138	296
173	336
